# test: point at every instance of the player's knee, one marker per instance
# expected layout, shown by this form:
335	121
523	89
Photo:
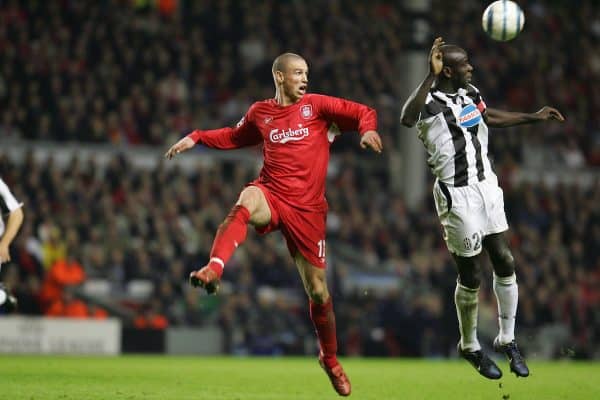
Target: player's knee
504	263
469	277
470	281
468	271
316	290
250	198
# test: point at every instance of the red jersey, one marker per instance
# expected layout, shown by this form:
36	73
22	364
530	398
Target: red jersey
296	141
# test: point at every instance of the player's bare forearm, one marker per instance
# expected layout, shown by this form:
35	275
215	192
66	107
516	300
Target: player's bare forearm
502	119
12	227
182	145
415	103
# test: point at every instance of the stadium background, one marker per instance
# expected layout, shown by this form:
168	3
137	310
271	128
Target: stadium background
92	94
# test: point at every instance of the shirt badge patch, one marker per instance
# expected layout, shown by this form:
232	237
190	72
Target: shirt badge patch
268	120
469	116
306	111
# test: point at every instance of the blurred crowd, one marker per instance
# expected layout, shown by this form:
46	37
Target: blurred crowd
122	224
146	72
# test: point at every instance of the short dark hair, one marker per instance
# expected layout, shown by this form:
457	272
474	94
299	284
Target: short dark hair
448	50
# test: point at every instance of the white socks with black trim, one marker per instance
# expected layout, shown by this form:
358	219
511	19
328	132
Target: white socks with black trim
466	300
507	296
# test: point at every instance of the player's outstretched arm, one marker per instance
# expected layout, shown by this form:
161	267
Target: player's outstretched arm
415	103
371	140
501	119
182	145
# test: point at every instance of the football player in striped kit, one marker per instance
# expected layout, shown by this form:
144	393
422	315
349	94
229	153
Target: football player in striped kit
452	122
10	207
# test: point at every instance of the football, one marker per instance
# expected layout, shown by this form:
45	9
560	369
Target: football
503	20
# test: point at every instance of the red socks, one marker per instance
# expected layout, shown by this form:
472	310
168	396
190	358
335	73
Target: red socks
323	320
231	234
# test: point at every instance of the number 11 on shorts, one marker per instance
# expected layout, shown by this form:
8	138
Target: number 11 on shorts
321	244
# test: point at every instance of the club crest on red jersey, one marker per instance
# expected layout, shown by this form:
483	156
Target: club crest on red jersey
306	111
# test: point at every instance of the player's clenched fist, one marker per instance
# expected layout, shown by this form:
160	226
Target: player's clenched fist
184	144
372	140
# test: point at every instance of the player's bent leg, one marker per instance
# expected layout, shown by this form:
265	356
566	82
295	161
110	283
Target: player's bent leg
469	270
255	201
507	296
501	257
251	207
323	318
466	297
313	279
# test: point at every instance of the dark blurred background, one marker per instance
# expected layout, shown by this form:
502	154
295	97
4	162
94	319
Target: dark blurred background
93	92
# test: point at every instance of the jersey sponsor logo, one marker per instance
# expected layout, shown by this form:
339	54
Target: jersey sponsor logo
287	135
469	116
306	111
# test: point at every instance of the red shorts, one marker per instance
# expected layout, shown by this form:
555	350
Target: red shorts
304	231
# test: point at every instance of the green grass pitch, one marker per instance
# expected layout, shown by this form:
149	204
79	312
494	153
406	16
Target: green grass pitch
215	378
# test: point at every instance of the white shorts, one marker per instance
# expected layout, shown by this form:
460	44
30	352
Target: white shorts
469	213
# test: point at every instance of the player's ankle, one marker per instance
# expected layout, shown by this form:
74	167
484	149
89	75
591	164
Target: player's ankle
216	264
330	360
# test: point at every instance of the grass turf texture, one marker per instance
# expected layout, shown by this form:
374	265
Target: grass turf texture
157	377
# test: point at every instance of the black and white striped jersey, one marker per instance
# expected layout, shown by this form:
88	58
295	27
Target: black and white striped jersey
455	135
8	204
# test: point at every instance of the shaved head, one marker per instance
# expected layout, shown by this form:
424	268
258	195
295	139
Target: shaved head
290	75
456	71
451	54
282	61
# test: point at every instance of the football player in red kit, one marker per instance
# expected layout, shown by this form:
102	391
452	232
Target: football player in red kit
296	130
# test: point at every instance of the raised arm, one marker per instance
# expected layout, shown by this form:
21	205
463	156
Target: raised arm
243	134
501	119
415	103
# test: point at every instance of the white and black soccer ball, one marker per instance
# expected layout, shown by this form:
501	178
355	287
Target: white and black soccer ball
503	20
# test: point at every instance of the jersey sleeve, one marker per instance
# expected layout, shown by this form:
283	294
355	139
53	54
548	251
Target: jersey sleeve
8	203
474	93
347	115
244	134
430	109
